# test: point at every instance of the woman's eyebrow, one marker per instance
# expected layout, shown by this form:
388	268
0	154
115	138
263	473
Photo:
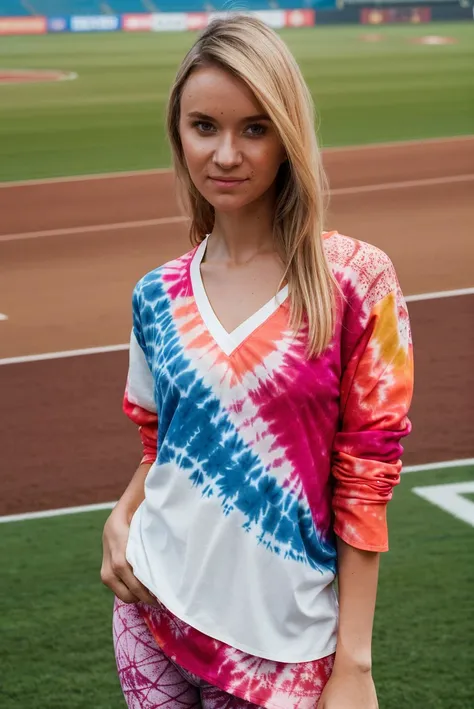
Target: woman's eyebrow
257	117
247	119
198	114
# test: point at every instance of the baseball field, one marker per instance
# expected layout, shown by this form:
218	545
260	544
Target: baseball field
87	205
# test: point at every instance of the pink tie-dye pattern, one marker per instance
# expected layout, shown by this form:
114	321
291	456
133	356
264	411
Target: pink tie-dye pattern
274	685
150	680
281	403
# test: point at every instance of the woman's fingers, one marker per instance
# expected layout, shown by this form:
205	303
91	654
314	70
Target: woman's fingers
117	586
123	571
116	572
138	589
124	593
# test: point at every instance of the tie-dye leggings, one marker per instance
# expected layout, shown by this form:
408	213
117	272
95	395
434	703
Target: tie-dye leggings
149	679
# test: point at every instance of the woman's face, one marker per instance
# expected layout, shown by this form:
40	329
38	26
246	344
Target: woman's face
231	148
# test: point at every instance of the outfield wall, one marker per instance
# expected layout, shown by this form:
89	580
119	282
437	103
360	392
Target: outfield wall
145	22
368	14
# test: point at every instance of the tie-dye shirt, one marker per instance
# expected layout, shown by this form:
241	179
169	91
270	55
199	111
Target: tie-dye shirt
260	456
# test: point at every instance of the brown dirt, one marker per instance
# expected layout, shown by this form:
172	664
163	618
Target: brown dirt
433	39
64	438
20	76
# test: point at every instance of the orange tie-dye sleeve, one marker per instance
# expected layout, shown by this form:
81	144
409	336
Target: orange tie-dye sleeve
376	393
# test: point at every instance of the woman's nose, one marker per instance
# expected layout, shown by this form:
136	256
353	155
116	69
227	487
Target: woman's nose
227	153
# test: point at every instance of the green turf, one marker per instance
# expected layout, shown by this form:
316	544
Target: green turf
111	117
55	628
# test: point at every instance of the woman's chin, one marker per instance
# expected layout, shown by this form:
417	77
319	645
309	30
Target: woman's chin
227	204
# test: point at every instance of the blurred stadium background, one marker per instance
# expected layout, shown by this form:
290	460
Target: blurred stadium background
87	206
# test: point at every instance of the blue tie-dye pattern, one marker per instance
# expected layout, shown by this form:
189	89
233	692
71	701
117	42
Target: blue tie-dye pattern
197	435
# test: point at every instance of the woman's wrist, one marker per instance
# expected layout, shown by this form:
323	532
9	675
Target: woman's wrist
354	659
122	512
133	495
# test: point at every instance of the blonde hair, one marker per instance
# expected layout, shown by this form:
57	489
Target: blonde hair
253	52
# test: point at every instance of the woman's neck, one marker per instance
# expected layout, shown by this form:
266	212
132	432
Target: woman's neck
239	236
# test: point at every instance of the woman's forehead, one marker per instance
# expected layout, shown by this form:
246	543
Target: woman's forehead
212	90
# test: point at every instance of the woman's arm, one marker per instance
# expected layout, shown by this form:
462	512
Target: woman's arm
376	391
116	572
139	406
351	685
134	494
357	580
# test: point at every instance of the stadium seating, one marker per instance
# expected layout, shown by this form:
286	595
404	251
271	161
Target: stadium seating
54	8
13	8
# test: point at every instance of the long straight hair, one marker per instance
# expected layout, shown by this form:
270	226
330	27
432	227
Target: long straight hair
251	51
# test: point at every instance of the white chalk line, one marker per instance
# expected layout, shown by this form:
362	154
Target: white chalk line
24	359
439	294
450	497
64	354
57	512
68	231
168	170
125	174
3	316
459	463
164	221
468	137
44	514
402	185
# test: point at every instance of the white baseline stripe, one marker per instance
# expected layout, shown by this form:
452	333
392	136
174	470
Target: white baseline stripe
406	184
398	143
67	231
109	505
90	177
162	221
165	170
65	353
57	513
23	359
439	294
444	464
3	316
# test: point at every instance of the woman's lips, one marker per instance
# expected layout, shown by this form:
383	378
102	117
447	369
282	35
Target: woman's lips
228	182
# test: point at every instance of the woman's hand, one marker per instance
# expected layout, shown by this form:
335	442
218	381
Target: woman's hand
349	688
116	572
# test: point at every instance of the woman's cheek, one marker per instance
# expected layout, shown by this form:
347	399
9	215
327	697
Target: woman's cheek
194	148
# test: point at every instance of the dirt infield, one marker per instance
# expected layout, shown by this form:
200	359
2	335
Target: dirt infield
71	251
25	76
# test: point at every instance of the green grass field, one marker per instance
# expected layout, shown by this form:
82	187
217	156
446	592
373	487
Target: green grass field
56	648
111	117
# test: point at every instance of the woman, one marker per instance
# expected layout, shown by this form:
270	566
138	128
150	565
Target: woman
271	424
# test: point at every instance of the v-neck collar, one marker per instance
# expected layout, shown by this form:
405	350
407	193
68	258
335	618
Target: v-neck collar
227	341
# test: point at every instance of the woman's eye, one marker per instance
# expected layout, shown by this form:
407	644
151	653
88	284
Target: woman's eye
256	129
203	126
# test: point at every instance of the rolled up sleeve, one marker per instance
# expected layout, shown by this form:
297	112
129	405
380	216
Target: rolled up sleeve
376	393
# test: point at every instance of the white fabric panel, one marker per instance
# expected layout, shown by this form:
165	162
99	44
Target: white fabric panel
207	570
140	387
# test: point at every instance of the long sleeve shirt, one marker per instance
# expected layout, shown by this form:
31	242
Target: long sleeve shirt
260	457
